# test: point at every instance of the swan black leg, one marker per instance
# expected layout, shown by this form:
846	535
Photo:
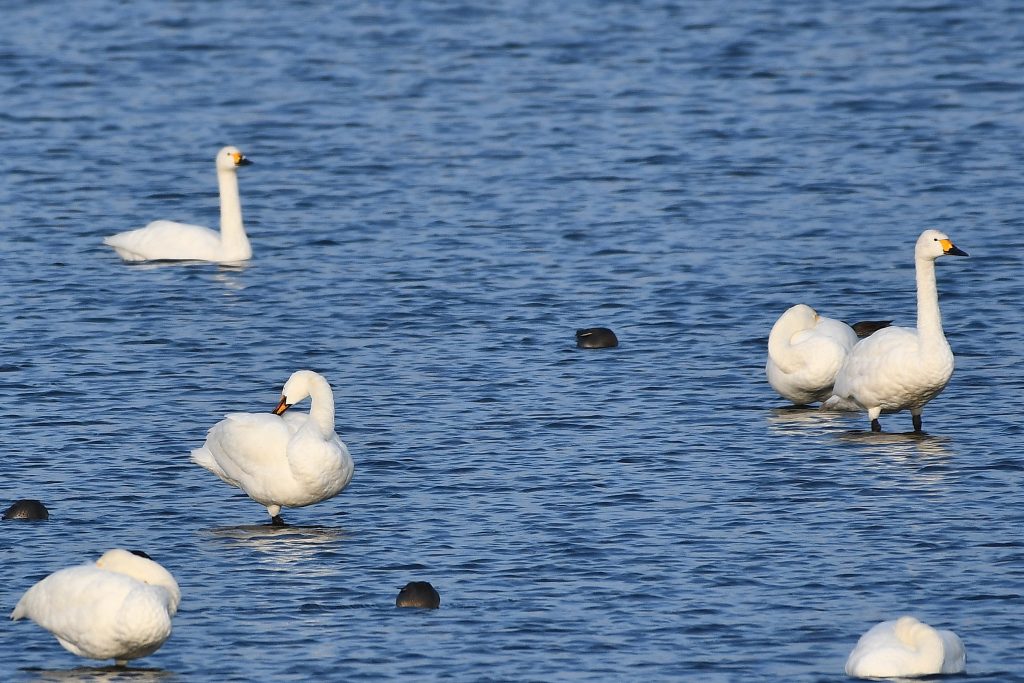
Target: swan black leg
876	426
917	423
277	521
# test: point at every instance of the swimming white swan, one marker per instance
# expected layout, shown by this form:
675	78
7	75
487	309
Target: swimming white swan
806	350
119	607
905	647
171	241
901	368
289	460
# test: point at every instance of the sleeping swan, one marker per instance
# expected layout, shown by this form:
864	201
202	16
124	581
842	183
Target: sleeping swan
119	607
806	350
901	368
171	241
905	647
282	459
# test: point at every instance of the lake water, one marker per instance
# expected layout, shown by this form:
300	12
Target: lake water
442	192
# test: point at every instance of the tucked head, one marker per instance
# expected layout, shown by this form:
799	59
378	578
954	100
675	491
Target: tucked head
27	509
229	158
796	319
140	567
802	313
418	594
932	244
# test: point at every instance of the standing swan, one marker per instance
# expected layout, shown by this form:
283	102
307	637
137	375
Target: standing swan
119	607
806	350
171	241
905	647
288	460
899	368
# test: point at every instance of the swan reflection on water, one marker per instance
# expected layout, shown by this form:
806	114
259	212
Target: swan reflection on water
225	274
803	420
100	674
283	544
905	444
797	419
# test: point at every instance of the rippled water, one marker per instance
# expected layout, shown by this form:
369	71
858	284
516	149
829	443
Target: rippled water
442	193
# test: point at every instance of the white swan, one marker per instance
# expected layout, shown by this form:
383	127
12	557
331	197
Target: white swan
171	241
289	460
806	350
905	647
902	368
119	607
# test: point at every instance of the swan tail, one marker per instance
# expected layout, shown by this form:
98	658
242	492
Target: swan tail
204	458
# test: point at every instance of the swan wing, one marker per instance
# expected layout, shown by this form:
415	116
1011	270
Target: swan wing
167	241
816	355
246	447
879	652
295	420
98	614
954	656
878	361
838	331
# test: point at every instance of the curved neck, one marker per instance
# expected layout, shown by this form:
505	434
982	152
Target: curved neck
781	351
232	232
929	645
321	406
929	319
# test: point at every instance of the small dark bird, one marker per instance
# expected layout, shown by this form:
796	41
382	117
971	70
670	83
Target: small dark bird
418	594
596	338
865	328
27	509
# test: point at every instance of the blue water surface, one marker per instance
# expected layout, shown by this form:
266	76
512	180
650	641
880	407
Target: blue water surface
442	193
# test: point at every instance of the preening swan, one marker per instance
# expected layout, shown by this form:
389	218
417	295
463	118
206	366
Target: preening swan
119	607
806	350
905	647
901	368
171	241
282	459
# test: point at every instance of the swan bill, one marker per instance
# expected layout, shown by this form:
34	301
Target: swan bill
950	249
282	406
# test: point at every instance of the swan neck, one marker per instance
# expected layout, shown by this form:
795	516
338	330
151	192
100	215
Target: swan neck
321	406
232	232
781	351
929	319
929	645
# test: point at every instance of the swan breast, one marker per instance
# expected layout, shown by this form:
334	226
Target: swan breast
890	369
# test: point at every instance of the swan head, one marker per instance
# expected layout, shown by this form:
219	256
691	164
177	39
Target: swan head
796	319
298	387
141	567
229	158
932	244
